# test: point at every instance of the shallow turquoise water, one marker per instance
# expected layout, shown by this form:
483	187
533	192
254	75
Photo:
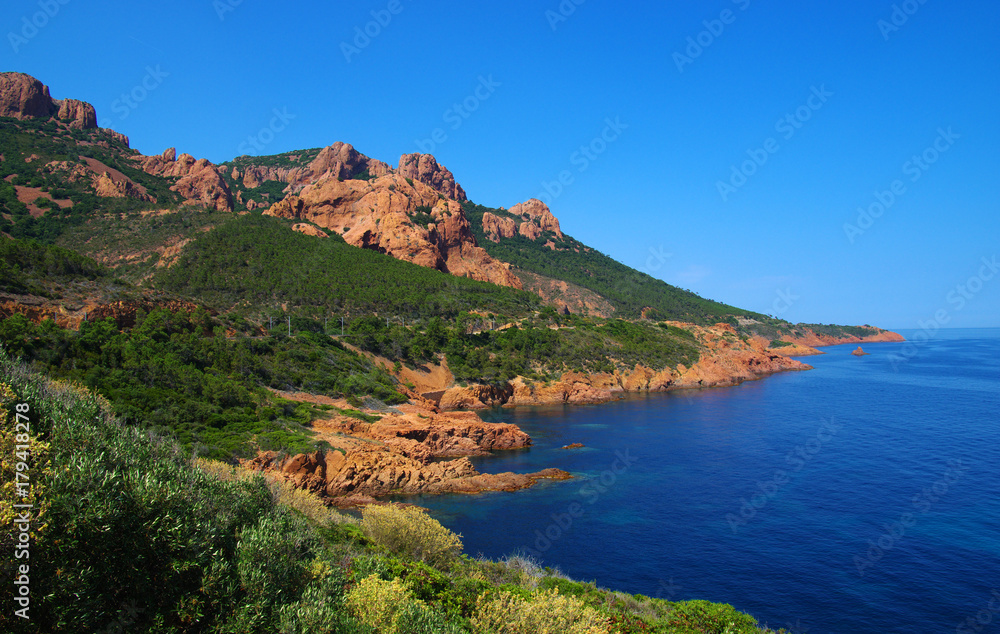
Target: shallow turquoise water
862	496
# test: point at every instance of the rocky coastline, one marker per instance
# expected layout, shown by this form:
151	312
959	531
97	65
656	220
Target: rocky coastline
424	445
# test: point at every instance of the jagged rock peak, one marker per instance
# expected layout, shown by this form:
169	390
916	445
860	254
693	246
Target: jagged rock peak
425	168
536	213
24	97
342	161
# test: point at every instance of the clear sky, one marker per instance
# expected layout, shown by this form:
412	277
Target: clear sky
690	170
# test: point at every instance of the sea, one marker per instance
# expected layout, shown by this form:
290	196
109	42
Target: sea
862	496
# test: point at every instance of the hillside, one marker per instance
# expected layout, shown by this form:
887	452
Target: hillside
213	355
201	299
199	546
69	182
546	251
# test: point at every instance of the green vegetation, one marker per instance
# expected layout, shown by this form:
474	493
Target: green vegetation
41	154
422	216
777	343
537	348
628	290
29	267
297	158
775	329
832	330
133	241
266	193
199	547
178	374
257	262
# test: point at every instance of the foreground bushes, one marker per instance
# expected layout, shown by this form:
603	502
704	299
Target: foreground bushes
130	535
544	612
409	531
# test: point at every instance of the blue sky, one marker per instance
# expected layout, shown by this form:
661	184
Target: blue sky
893	109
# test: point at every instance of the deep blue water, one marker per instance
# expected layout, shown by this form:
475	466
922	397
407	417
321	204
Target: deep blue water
862	496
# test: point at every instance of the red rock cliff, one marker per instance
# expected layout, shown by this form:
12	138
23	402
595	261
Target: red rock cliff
382	214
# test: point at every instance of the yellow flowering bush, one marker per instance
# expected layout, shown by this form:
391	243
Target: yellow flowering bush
410	531
546	612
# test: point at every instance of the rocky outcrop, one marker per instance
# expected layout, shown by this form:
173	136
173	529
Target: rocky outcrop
382	214
435	435
342	161
425	169
22	97
811	338
725	360
104	185
77	114
475	397
401	453
789	349
496	227
204	185
537	219
66	315
859	352
337	161
308	229
199	181
106	181
115	136
124	312
365	473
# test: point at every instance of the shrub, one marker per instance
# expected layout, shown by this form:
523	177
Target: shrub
379	603
696	617
506	613
13	442
320	608
217	469
519	570
307	503
409	531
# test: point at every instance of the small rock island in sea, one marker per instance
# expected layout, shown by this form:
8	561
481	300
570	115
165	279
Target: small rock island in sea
859	352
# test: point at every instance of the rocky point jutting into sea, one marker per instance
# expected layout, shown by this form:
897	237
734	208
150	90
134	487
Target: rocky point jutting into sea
402	452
